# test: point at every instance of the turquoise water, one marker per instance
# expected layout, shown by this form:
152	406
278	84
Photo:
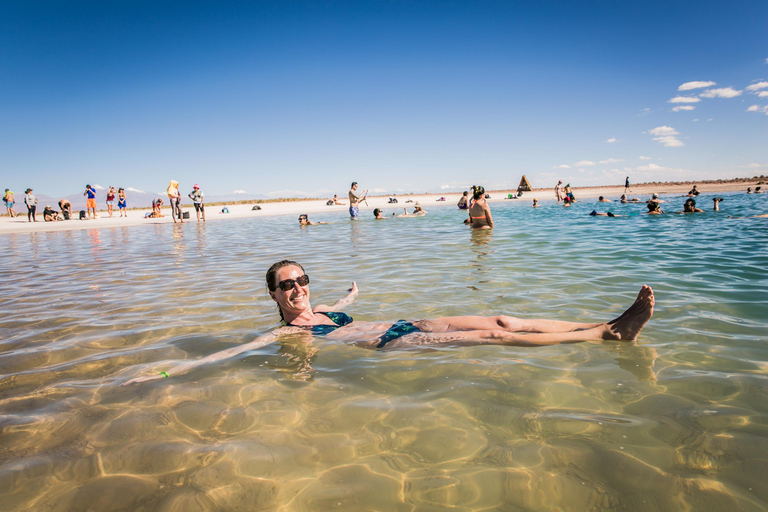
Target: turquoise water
676	421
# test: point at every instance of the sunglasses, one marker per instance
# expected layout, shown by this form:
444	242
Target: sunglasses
288	284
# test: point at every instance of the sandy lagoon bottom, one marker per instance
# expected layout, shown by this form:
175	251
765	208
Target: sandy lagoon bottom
676	421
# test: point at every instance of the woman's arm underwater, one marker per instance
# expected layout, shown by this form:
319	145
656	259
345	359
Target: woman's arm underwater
261	341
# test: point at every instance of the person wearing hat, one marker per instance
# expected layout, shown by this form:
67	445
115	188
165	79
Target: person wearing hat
8	199
655	199
31	201
49	215
569	193
90	202
197	198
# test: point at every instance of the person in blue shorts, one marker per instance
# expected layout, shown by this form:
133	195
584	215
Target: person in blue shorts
288	286
355	200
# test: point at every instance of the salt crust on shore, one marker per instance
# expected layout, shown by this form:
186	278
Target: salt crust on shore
136	217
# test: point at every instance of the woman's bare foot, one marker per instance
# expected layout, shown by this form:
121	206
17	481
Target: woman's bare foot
628	326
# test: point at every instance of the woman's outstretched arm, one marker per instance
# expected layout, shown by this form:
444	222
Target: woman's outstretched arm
341	303
261	341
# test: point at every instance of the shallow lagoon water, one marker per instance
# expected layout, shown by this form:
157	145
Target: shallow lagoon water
676	421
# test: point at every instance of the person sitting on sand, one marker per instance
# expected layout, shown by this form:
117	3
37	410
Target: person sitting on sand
50	215
66	209
717	203
304	221
690	207
535	203
336	201
654	208
479	211
288	285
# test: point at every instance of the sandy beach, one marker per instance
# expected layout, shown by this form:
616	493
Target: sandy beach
643	191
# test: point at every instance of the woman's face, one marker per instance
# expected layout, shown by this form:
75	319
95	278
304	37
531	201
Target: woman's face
295	300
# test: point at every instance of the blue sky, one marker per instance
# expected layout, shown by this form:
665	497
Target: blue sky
295	98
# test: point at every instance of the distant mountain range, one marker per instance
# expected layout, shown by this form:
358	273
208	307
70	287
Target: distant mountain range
134	199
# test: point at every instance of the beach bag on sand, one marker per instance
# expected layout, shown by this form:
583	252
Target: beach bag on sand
185	215
329	202
82	214
256	207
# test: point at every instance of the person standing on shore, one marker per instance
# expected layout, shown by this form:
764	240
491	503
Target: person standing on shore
355	200
559	191
197	198
111	200
626	186
174	197
8	199
31	201
121	204
90	202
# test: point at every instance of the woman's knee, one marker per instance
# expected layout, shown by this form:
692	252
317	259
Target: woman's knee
508	323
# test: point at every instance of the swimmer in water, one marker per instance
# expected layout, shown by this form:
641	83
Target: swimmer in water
304	221
479	211
288	286
417	212
535	203
690	207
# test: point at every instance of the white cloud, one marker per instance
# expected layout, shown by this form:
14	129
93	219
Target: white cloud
666	136
584	163
239	192
695	120
684	99
663	130
563	166
645	158
683	107
755	166
762	94
758	108
611	160
723	92
757	86
650	167
687	86
611	140
131	189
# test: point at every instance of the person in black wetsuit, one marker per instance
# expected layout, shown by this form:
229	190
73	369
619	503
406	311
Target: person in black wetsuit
288	286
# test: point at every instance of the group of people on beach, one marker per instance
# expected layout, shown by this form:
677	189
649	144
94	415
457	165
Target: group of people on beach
65	206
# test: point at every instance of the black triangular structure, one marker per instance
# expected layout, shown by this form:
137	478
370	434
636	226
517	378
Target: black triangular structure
525	185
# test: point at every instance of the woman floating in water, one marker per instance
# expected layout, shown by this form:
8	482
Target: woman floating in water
289	287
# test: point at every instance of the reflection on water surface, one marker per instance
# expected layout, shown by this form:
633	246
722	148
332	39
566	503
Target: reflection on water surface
675	421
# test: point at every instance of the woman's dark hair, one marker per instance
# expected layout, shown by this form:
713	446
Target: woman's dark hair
376	212
272	277
272	272
478	192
